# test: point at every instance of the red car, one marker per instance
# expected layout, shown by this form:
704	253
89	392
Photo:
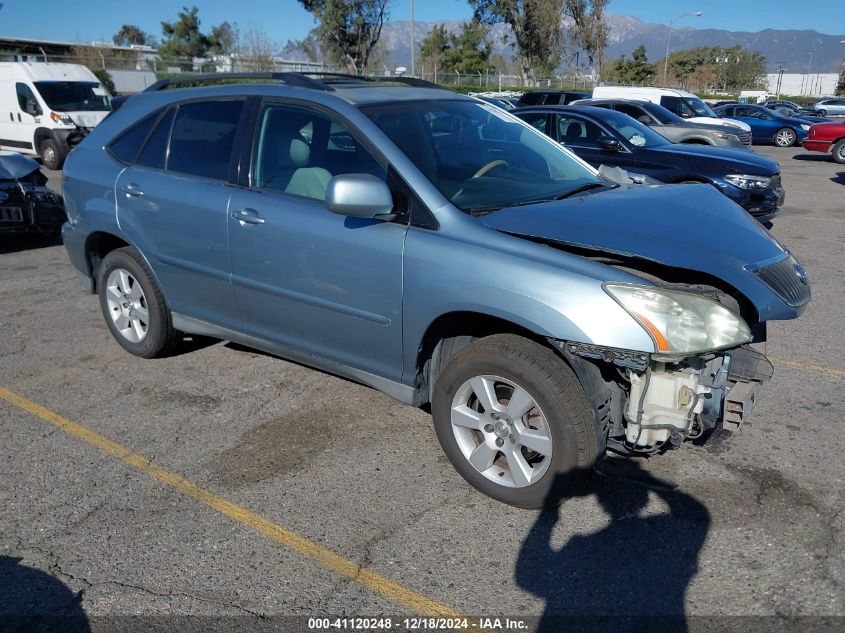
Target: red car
827	137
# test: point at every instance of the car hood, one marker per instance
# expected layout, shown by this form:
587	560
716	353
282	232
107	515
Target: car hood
87	118
793	121
739	160
692	227
14	166
721	122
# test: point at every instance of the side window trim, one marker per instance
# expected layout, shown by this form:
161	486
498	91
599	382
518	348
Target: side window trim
156	115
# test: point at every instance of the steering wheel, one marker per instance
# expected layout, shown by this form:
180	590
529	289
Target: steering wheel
486	168
491	165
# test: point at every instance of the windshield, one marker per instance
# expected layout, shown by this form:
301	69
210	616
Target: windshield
699	107
633	131
71	96
479	156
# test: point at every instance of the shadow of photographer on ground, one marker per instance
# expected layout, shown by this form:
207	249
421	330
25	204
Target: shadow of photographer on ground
632	574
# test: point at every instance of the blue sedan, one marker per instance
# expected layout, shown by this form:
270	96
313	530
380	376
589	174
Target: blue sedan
767	125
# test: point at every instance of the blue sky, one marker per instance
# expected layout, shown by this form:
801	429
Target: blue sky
90	20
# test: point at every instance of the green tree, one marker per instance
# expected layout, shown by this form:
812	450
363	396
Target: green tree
633	71
433	47
590	30
223	39
183	37
537	29
469	51
731	68
348	29
130	34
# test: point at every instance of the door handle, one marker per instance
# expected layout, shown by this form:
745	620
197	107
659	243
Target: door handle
248	216
131	189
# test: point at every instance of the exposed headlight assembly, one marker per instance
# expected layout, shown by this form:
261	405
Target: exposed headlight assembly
744	181
680	322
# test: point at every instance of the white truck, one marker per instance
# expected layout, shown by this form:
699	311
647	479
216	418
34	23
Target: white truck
684	104
42	103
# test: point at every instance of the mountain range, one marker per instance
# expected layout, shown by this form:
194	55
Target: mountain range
790	48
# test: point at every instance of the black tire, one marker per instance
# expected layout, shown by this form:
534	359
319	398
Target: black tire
822	112
160	338
51	155
556	390
787	131
838	152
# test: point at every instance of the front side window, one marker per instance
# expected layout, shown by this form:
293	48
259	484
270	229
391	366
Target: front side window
203	137
25	95
74	96
477	155
578	132
298	151
635	112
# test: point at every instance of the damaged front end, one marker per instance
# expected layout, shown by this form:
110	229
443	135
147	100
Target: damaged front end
26	204
646	404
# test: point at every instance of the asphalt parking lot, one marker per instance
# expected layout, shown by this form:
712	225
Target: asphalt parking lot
226	482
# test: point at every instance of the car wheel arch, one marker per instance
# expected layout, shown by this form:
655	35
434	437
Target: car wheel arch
452	331
98	244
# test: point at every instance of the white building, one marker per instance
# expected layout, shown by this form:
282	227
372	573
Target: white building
797	84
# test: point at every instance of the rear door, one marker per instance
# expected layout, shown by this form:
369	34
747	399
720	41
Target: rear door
173	202
305	278
762	126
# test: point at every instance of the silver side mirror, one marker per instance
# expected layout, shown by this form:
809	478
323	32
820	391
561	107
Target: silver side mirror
359	196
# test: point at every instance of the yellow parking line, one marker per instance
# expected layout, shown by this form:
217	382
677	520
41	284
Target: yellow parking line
315	552
799	364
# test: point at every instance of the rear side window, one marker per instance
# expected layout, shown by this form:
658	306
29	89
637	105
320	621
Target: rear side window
678	106
154	153
126	146
203	137
633	112
531	98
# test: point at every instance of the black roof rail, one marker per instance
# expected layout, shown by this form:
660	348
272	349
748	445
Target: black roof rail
410	81
299	80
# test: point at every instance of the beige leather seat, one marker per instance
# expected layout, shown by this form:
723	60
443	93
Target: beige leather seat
310	182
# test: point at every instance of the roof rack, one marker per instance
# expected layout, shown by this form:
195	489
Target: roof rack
292	79
341	77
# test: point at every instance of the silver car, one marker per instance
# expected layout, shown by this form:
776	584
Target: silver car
826	107
438	249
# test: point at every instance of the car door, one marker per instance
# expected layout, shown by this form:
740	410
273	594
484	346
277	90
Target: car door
581	135
305	278
17	126
173	201
762	126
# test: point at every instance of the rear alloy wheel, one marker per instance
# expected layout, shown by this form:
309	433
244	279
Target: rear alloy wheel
838	151
133	305
785	137
514	421
822	112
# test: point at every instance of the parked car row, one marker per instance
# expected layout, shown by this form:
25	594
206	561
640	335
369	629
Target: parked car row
443	251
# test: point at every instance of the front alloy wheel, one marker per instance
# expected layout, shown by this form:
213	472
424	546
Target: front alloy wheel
785	137
501	431
514	420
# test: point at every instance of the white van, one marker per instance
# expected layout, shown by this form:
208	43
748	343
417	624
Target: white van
42	103
685	104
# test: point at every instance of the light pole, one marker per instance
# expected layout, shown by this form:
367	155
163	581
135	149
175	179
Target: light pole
697	14
413	46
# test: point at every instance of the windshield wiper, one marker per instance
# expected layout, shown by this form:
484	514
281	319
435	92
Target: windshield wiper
496	207
586	187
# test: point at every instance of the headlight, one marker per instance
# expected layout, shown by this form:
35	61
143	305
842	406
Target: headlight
749	182
726	137
805	127
61	118
681	322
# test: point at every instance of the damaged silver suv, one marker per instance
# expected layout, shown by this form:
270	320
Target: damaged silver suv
435	248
